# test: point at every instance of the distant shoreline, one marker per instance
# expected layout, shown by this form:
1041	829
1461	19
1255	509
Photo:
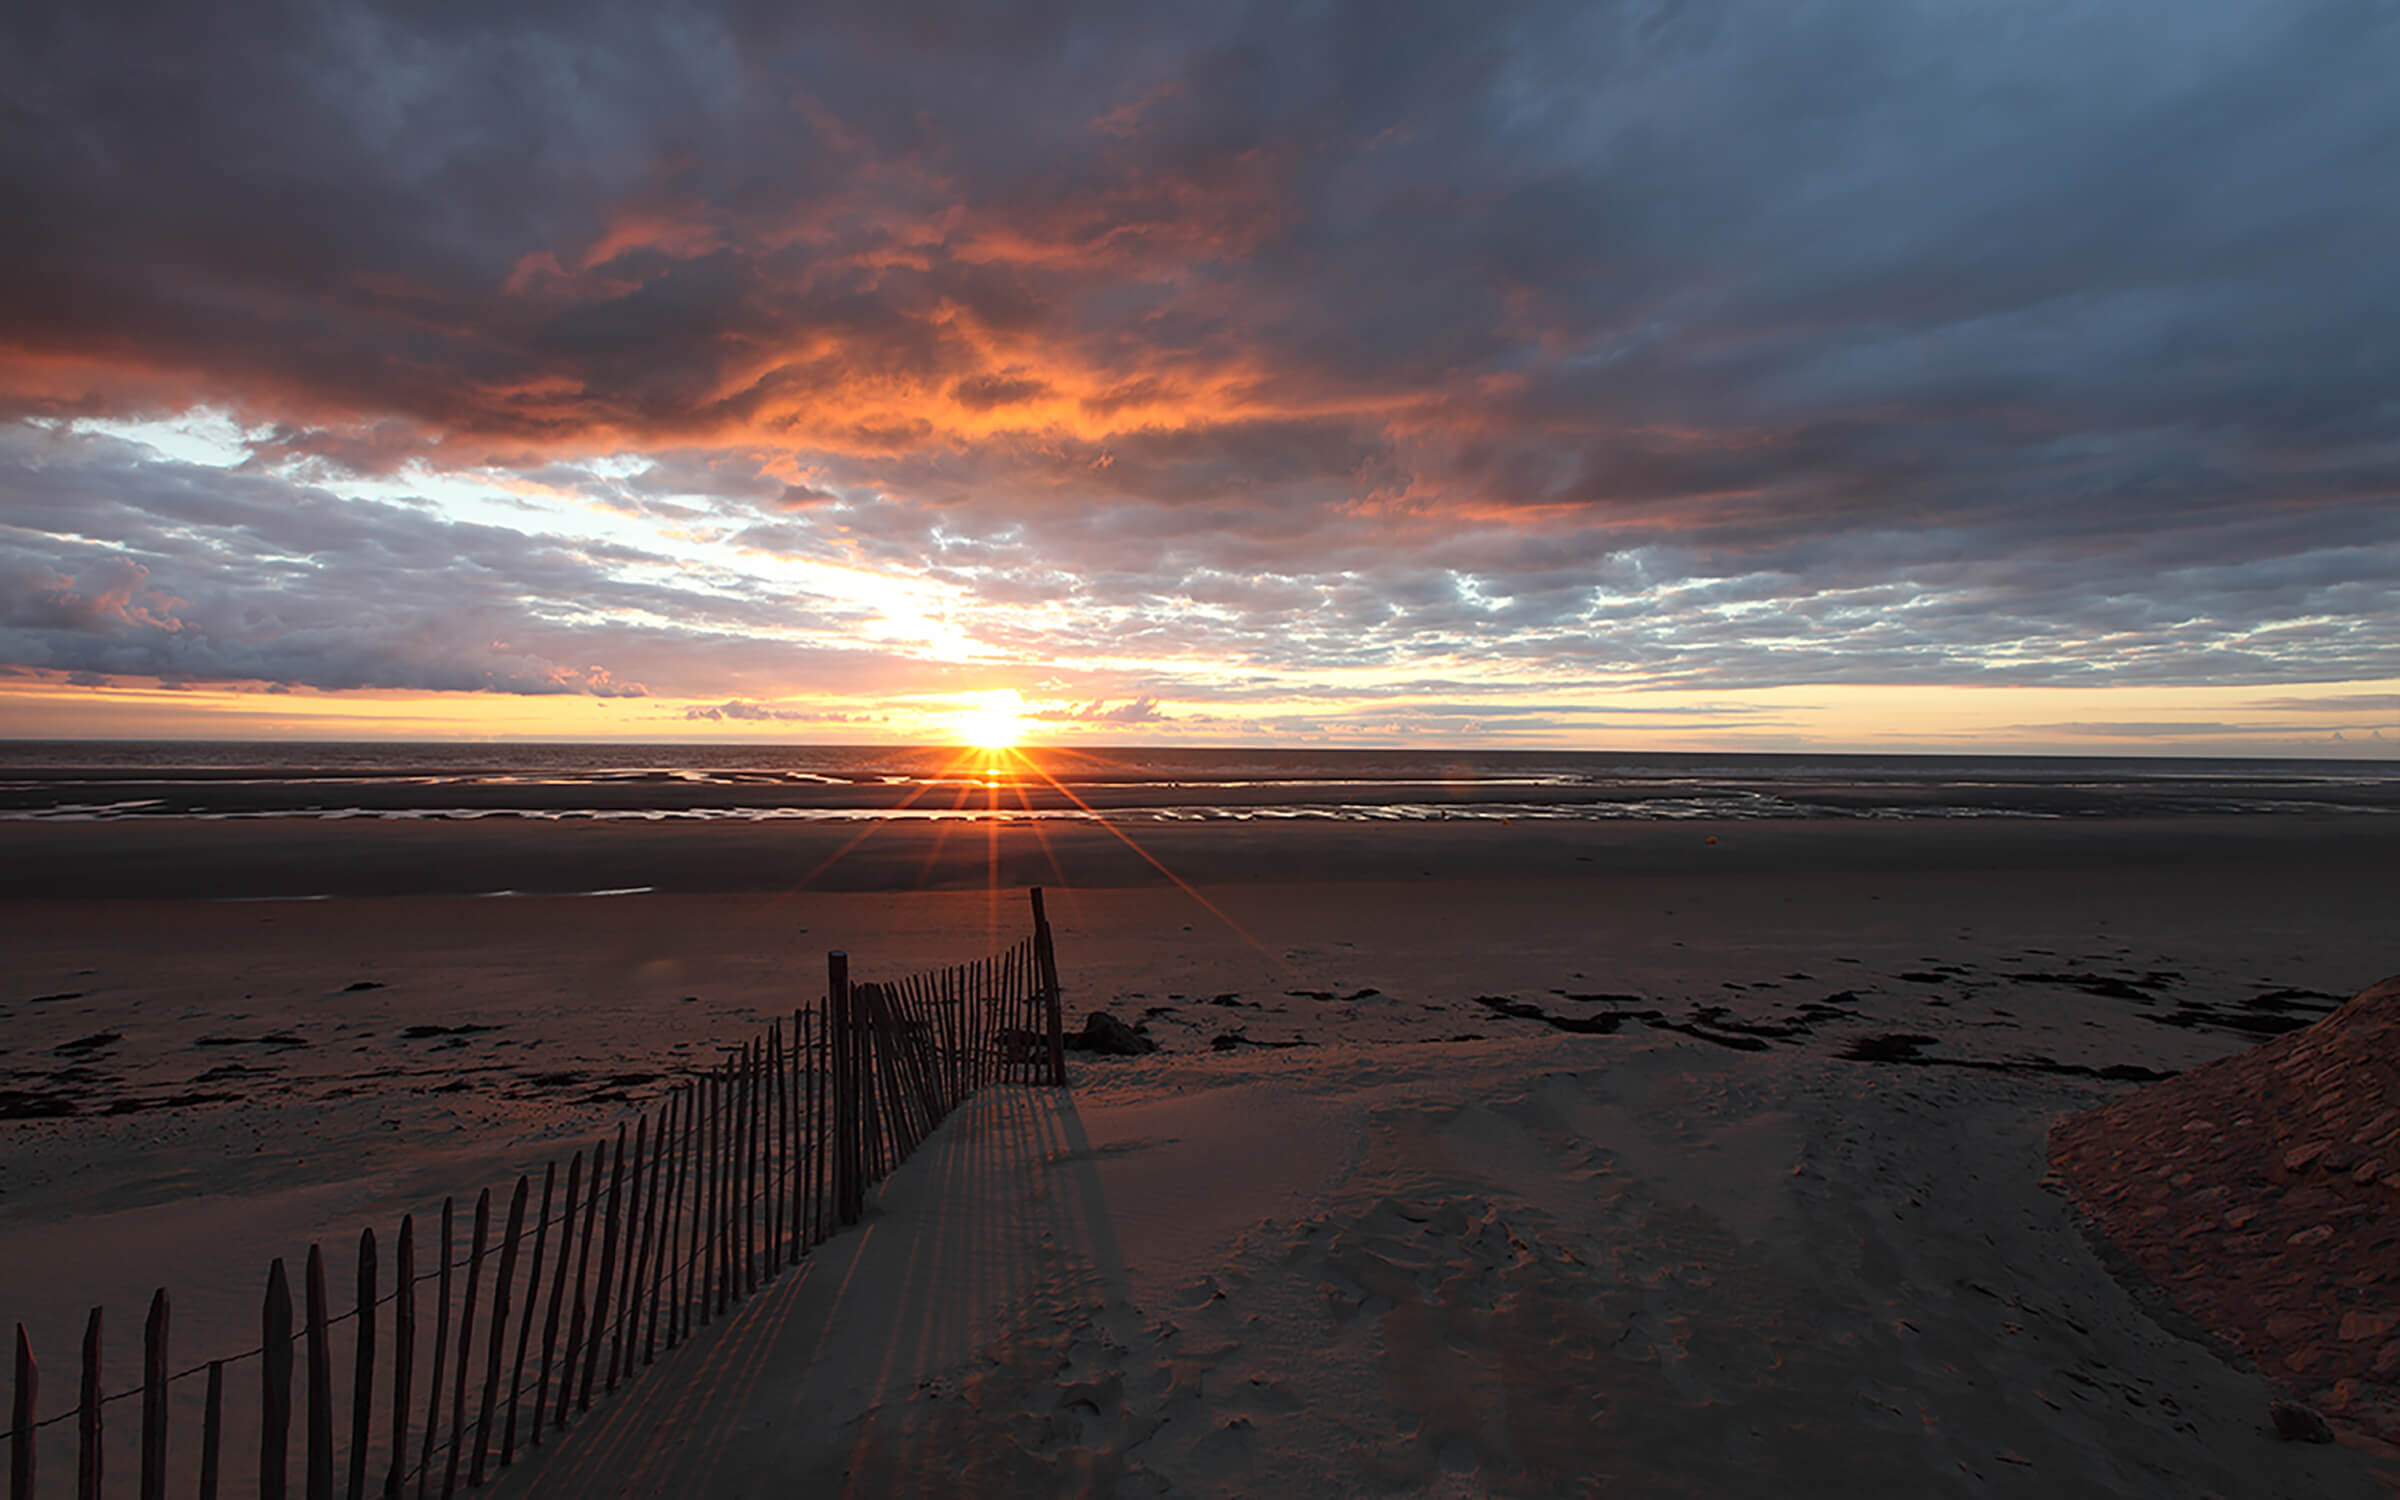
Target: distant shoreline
164	858
854	785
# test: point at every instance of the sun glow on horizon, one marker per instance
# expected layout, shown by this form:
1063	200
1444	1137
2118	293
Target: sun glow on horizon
994	721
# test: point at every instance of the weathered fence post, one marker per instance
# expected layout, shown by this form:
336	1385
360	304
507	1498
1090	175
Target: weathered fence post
639	1282
776	1151
987	997
752	1053
641	1197
631	1221
466	1342
1047	955
154	1399
21	1469
558	1292
704	1199
711	1278
404	1353
583	1265
704	1204
804	1139
275	1383
875	1098
320	1380
847	1197
212	1429
608	1271
362	1371
820	1150
499	1341
441	1357
87	1414
671	1247
533	1295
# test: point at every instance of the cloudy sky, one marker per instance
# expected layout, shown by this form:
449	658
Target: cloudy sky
1910	374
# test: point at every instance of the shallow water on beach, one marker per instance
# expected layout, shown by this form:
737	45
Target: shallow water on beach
78	781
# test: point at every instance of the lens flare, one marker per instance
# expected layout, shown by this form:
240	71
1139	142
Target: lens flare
994	721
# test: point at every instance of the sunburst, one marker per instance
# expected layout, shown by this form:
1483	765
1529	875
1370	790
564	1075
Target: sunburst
995	721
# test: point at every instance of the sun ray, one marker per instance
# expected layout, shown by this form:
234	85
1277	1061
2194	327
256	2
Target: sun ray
874	824
1041	835
1152	860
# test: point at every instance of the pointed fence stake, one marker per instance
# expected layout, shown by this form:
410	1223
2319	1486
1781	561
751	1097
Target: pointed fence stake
212	1429
633	1213
558	1292
583	1263
499	1338
320	1379
362	1370
154	1399
775	1148
752	1054
21	1468
275	1384
466	1346
800	1138
404	1353
87	1414
721	1184
644	1327
728	1133
686	1142
845	1116
533	1289
608	1270
441	1357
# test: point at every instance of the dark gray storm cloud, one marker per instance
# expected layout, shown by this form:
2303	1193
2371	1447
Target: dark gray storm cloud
1726	342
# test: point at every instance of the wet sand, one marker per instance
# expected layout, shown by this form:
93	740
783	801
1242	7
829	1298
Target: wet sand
2244	857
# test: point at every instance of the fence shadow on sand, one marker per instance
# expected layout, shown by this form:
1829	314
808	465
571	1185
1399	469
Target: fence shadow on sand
954	1343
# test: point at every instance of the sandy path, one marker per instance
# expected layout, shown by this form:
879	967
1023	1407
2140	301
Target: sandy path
1554	1266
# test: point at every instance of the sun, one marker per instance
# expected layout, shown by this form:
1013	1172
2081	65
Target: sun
994	721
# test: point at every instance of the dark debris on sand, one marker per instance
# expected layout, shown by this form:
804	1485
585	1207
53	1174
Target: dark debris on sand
30	1104
1227	1041
1603	1024
2107	986
1909	1048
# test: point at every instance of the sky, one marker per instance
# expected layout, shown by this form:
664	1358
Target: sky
1725	374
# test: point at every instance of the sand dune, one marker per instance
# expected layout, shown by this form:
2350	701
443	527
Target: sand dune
2261	1194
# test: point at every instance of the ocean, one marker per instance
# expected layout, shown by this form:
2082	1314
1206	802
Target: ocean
57	781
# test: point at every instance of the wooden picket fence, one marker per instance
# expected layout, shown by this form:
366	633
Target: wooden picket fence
745	1167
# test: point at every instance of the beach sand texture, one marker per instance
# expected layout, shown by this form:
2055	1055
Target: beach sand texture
2261	1193
1595	1160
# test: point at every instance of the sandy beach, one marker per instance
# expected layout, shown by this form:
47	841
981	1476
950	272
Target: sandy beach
1398	1206
1696	708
